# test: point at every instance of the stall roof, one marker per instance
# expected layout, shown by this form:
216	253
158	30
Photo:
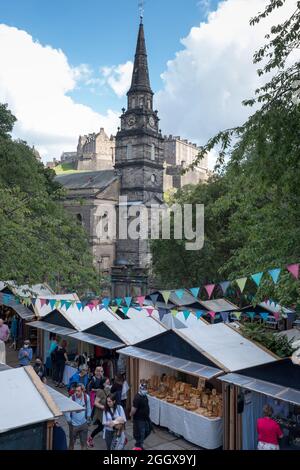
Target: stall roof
168	320
21	402
128	331
26	290
275	308
59	330
226	347
42	311
65	404
86	318
97	340
280	379
182	365
218	305
20	309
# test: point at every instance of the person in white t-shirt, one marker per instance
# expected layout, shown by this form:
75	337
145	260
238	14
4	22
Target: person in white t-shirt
113	414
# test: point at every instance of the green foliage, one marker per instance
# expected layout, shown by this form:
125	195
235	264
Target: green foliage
252	210
39	240
279	345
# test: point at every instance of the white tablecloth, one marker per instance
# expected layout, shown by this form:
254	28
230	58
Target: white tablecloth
68	372
202	431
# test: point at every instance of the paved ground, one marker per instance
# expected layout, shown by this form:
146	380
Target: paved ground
161	439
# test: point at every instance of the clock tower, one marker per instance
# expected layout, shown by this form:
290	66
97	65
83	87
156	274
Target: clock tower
139	156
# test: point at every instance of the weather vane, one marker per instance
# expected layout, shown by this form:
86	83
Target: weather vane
141	9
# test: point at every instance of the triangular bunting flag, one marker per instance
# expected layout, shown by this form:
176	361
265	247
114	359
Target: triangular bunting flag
241	283
179	293
43	302
209	289
251	314
166	295
212	314
224	286
150	310
276	315
52	303
79	305
57	304
154	298
275	273
106	302
91	306
225	316
199	314
186	314
68	304
128	301
162	312
238	315
141	300
294	270
264	315
174	312
195	291
118	301
114	308
125	310
62	303
257	277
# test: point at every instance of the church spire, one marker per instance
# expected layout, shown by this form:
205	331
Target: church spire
140	76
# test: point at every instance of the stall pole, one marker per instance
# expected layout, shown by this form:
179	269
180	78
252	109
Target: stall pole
226	415
49	437
231	419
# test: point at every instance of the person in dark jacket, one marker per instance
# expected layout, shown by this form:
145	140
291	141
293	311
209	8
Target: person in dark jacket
140	414
116	389
40	369
60	360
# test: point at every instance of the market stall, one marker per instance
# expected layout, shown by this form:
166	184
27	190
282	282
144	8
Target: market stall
181	367
277	384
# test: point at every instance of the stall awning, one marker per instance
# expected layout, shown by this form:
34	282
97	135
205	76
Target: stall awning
278	392
24	312
65	404
97	340
182	365
59	330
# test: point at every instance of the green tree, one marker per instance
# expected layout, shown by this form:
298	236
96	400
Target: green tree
39	240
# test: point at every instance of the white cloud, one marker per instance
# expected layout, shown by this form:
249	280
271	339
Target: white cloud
206	82
118	77
35	81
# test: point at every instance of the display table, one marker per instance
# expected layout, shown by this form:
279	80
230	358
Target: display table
68	372
197	429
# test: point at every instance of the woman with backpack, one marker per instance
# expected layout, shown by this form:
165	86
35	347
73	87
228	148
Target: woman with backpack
113	415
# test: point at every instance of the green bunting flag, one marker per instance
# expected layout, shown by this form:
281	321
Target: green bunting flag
166	295
174	312
241	283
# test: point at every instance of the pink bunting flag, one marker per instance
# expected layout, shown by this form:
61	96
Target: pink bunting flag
212	314
209	289
91	306
294	270
150	311
43	302
276	315
141	300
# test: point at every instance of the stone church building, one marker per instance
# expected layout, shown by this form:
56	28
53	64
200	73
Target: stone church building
139	163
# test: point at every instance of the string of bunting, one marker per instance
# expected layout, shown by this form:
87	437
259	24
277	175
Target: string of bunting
138	303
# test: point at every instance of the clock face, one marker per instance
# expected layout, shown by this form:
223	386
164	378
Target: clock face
131	120
151	121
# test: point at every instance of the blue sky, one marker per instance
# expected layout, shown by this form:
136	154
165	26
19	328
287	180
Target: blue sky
103	33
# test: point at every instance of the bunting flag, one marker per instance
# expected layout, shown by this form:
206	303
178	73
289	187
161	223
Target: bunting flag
79	305
162	312
276	315
179	293
114	308
73	302
52	303
62	303
68	305
225	316
186	314
238	315
166	295
174	312
257	278
154	298
241	283
224	286
199	314
150	310
294	270
91	306
275	273
141	300
195	291
264	315
106	302
57	304
118	301
128	301
212	314
251	314
209	289
42	302
125	310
